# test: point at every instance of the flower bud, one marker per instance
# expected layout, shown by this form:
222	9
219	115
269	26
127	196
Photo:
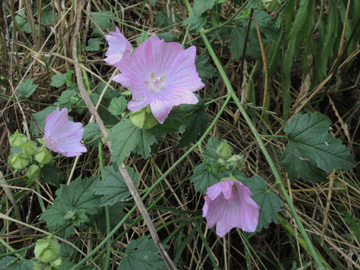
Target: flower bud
43	156
29	148
17	139
224	150
236	161
221	161
47	250
18	161
70	215
143	119
33	172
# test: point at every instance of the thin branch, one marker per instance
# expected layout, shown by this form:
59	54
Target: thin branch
104	132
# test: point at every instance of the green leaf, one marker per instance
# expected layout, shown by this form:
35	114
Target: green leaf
50	174
123	138
353	224
113	188
117	105
59	80
79	194
174	123
116	214
144	36
297	167
54	215
77	198
254	4
65	265
195	22
13	263
67	96
203	178
93	45
236	42
27	88
195	124
91	132
47	16
66	251
126	137
102	19
269	32
301	17
204	68
145	139
200	6
269	202
267	27
210	156
310	143
141	254
163	20
168	37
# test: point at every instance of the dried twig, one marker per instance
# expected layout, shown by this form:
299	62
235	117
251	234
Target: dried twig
104	132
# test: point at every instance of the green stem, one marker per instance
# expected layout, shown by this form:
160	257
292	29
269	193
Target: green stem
263	149
150	189
260	143
302	243
273	186
8	246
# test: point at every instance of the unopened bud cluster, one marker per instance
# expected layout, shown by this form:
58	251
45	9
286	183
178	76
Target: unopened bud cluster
26	156
226	159
47	254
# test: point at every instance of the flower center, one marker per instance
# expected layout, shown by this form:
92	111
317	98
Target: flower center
53	142
156	83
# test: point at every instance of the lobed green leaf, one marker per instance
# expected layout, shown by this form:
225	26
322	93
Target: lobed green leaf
310	143
141	254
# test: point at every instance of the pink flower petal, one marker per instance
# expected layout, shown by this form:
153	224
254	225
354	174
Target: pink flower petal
228	205
138	102
217	206
62	135
160	110
182	70
163	102
119	48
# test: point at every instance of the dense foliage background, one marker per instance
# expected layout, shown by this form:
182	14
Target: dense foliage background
289	67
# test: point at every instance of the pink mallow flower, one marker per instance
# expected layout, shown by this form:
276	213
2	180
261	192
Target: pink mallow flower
119	48
160	74
62	135
228	205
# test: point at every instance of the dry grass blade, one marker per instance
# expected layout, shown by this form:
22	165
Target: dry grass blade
99	122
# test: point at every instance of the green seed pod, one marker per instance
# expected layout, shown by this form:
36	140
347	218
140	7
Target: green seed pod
47	250
224	150
39	266
29	148
143	119
17	139
56	263
18	161
43	156
33	172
